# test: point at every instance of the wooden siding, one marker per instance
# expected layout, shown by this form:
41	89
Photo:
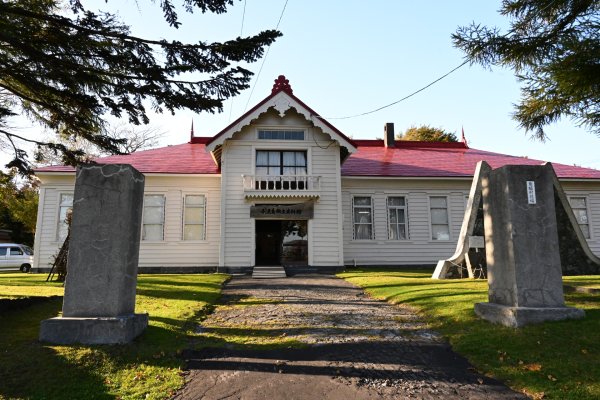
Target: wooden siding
325	247
172	251
420	249
591	191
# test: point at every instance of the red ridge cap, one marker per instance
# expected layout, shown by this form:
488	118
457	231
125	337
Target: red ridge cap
369	142
444	145
402	144
200	139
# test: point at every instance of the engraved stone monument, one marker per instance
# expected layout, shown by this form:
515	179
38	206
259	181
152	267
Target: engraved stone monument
522	247
99	301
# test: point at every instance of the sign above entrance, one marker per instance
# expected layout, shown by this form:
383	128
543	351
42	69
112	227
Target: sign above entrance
283	211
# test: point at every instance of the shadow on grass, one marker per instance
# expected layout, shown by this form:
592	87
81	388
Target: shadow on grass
25	360
35	370
150	364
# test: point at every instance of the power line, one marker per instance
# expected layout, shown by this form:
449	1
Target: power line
243	17
265	58
281	16
241	33
402	99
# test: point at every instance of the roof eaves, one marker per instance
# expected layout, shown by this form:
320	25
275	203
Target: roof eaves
237	121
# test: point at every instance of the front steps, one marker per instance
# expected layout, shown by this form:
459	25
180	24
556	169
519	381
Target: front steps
267	272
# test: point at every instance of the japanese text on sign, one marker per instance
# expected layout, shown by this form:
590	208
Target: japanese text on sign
531	192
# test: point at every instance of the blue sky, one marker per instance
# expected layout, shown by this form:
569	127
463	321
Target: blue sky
348	57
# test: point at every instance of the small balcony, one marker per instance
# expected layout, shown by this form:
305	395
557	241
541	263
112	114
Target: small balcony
281	185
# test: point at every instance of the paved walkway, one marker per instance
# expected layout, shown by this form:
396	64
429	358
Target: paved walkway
357	348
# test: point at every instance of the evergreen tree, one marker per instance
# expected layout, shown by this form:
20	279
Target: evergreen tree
554	48
18	207
66	67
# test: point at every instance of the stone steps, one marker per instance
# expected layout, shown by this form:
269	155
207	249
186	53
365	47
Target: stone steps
268	272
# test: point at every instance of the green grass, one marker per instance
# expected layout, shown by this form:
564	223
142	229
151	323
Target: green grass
19	285
148	368
558	360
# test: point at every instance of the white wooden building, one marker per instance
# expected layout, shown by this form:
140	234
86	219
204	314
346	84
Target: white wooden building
282	186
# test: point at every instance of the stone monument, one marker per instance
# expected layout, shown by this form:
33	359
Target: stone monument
522	247
99	301
576	257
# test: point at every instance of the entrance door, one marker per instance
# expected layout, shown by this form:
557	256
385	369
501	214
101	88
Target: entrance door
281	242
268	242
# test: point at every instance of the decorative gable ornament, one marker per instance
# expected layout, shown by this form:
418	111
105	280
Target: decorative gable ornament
281	100
282	85
281	105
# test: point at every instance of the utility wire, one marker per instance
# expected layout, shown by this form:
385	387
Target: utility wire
402	99
264	58
243	17
241	33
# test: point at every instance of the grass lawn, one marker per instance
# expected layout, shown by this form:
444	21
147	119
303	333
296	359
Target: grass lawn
149	368
555	360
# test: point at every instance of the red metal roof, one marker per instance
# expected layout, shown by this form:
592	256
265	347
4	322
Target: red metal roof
407	159
185	158
426	159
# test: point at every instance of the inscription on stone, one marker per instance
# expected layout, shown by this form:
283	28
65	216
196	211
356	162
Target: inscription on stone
476	242
531	192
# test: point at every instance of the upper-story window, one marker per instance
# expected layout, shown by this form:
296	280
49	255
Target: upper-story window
281	162
579	206
281	134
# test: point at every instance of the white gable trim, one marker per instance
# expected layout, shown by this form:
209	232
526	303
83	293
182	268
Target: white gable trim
281	102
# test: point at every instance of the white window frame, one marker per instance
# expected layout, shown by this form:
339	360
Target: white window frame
281	151
431	238
587	214
183	224
397	224
164	207
266	146
304	130
60	222
372	223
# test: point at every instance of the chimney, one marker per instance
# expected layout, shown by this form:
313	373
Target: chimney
388	137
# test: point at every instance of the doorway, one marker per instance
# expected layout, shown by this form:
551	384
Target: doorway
281	242
268	242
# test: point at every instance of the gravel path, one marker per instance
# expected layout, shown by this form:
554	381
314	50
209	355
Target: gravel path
356	348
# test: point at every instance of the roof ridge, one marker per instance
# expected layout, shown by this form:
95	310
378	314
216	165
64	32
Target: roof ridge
200	139
399	144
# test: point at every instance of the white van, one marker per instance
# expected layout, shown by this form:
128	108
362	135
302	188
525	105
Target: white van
15	257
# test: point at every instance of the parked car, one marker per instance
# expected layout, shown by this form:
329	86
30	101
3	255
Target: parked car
15	257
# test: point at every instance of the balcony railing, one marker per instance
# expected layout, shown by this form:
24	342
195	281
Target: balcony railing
293	183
